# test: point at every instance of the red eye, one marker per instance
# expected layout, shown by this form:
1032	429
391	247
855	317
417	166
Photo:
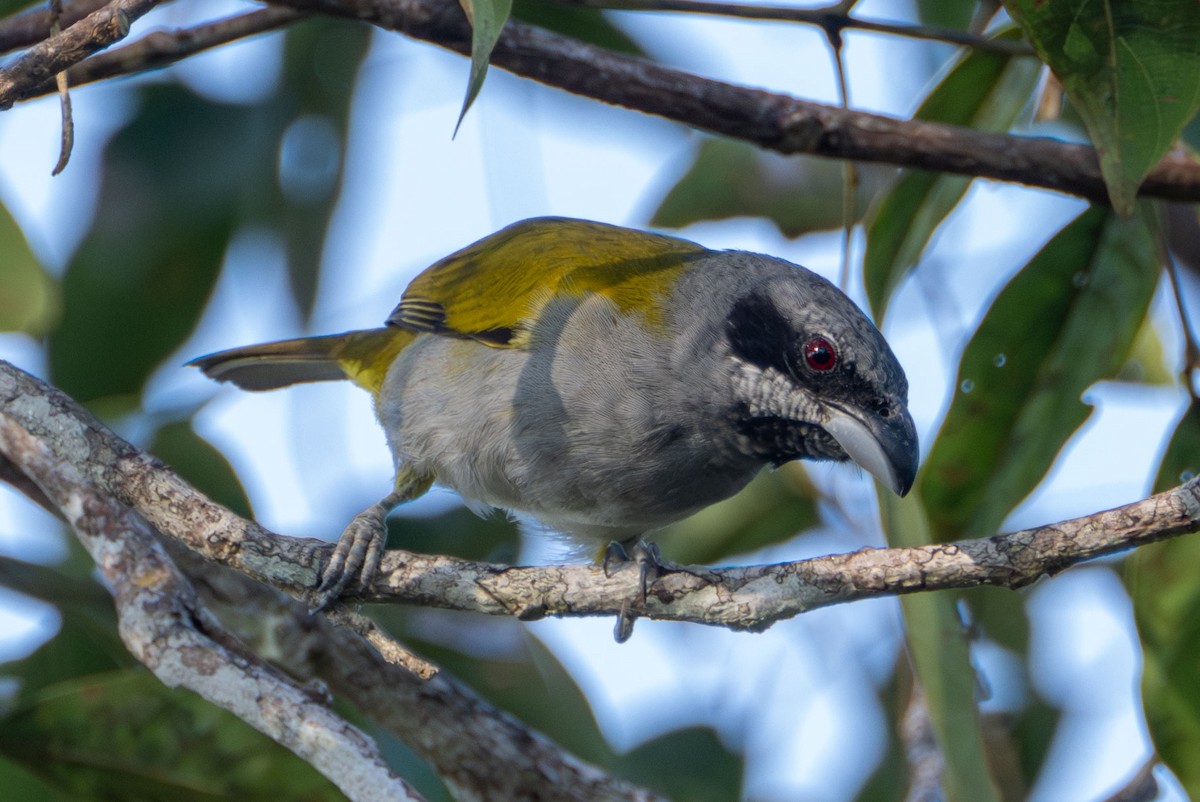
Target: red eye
820	355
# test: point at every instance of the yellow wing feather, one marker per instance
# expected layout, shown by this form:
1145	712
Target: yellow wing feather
492	290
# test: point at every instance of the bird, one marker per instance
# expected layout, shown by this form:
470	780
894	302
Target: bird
606	381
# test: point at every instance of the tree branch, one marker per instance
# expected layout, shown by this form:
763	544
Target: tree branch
165	627
22	78
771	120
33	26
749	598
160	48
830	18
502	760
768	119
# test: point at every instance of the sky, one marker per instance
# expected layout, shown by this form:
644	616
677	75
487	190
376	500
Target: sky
799	697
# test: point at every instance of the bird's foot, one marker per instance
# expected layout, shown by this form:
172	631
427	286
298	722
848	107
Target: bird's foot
355	558
650	565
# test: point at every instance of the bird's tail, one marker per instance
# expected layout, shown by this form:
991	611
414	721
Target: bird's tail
362	357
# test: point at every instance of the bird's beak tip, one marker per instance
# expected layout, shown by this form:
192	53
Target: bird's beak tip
887	449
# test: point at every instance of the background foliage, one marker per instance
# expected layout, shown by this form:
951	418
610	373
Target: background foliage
185	178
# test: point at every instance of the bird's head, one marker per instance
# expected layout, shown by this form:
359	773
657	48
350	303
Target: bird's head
813	378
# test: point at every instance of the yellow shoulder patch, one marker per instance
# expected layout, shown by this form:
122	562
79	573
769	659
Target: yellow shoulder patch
365	356
493	290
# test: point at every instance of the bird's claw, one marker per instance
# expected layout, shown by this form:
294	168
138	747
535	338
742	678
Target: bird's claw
355	558
650	567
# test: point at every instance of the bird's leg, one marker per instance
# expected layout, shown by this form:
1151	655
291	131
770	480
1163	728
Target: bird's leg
356	556
650	568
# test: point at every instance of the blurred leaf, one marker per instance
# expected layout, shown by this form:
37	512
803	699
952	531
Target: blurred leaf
942	663
459	532
29	299
947	13
23	785
168	205
1147	360
891	776
510	668
689	765
404	762
1017	396
773	508
1163	580
487	19
985	91
85	645
195	459
578	22
1191	134
1182	226
730	178
321	59
1181	461
1131	68
124	735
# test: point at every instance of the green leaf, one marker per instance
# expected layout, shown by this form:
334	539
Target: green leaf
321	59
578	22
124	735
1181	461
985	91
942	663
169	203
29	299
771	509
195	459
493	538
730	178
21	783
487	18
1065	321
946	13
1132	69
1163	580
690	764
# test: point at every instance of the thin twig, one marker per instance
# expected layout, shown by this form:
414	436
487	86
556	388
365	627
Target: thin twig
161	48
64	96
779	122
22	78
831	18
23	30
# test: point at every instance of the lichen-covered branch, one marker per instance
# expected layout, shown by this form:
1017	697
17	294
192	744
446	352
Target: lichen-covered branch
750	597
501	760
165	627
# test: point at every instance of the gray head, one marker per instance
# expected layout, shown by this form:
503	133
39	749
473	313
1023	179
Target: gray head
813	378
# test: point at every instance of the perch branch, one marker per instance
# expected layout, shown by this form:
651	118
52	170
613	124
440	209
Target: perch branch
165	627
501	760
750	597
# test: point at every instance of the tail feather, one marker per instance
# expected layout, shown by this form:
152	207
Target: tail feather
360	356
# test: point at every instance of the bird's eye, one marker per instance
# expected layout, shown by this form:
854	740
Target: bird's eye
820	354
